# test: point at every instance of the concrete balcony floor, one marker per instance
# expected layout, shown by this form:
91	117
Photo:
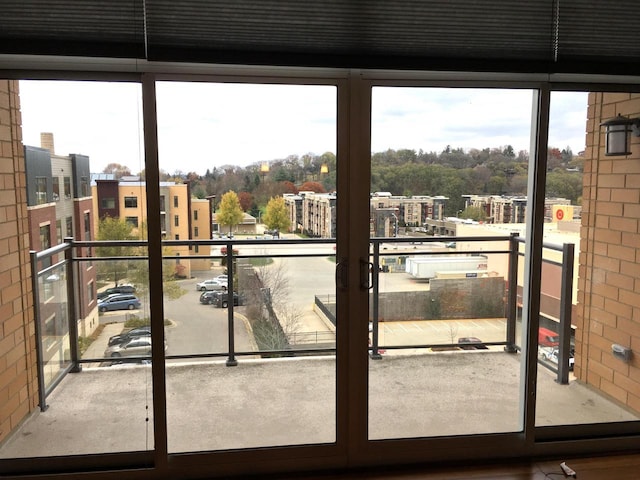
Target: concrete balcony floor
291	401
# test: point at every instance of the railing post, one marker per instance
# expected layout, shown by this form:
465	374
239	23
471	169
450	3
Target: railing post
42	394
72	284
512	302
375	355
566	293
231	359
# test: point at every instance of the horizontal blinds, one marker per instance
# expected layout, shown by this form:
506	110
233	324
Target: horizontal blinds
436	28
600	30
500	35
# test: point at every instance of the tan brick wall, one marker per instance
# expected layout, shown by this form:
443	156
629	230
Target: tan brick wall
18	373
609	280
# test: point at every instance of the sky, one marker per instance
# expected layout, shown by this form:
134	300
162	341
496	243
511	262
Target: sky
205	125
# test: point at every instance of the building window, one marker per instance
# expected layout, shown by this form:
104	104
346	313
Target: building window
197	248
84	186
69	230
132	220
195	231
130	202
41	190
177	237
163	207
67	187
195	214
56	189
45	242
175	201
108	203
90	292
59	231
176	220
87	230
45	237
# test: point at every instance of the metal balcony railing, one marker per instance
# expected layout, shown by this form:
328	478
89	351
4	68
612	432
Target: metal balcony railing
56	288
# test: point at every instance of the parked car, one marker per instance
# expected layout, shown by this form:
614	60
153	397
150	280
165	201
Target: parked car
205	297
551	354
126	288
471	343
221	299
211	285
547	338
118	301
136	347
224	278
130	335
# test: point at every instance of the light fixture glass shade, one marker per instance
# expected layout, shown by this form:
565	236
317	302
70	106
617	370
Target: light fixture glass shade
618	139
617	136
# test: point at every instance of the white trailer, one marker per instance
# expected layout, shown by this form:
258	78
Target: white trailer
426	268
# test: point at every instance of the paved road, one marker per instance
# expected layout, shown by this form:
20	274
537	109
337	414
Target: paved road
202	328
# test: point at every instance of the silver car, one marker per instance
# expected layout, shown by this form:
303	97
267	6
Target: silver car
136	347
211	285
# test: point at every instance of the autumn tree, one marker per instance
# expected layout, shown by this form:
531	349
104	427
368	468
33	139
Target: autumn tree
246	201
312	187
229	210
276	216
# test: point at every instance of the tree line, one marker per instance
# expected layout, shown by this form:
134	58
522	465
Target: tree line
451	173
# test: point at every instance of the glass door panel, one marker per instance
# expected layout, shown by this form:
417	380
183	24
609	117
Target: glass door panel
248	215
448	205
80	196
589	270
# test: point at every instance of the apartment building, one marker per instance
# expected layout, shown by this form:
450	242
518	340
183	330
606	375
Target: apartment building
126	198
412	211
59	205
319	214
294	205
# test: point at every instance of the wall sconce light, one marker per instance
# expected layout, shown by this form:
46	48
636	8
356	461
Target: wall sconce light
618	138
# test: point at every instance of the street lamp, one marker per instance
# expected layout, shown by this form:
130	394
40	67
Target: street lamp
264	169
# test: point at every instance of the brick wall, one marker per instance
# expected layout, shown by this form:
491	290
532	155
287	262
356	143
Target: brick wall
18	381
609	273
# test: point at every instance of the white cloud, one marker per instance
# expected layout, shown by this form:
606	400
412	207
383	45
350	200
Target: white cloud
202	125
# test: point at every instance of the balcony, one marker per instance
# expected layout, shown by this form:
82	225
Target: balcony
231	384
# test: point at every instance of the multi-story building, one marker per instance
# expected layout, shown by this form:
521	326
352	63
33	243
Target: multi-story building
411	211
318	214
294	206
126	198
512	209
59	206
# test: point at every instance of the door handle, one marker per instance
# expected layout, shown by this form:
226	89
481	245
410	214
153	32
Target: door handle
365	278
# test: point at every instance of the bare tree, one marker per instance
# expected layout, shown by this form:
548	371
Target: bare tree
453	331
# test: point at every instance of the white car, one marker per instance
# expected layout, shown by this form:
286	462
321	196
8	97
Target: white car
551	354
211	285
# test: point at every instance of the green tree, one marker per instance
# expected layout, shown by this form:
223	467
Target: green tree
229	210
276	215
474	213
110	228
